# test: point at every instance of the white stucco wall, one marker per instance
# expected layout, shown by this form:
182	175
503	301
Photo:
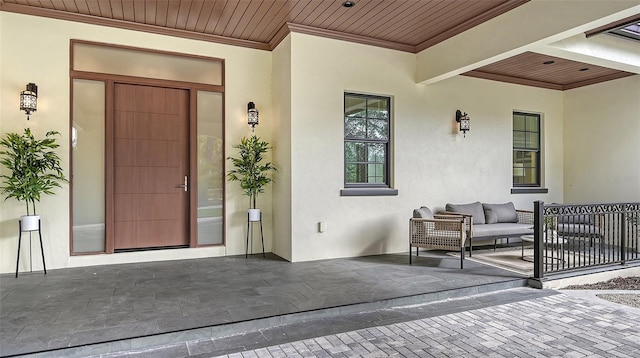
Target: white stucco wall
299	89
602	142
282	99
35	49
433	164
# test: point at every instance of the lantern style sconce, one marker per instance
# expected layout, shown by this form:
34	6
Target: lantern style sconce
29	99
252	116
465	122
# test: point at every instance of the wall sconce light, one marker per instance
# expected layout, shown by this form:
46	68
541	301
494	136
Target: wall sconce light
29	99
465	122
252	116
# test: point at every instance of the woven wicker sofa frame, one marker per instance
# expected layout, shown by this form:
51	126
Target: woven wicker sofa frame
443	232
524	217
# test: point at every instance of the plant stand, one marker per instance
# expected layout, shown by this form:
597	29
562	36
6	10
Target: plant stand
44	266
249	227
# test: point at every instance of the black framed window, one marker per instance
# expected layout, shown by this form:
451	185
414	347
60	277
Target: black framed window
526	150
367	134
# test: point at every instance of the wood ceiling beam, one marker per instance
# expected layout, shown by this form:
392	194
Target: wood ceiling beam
532	24
514	80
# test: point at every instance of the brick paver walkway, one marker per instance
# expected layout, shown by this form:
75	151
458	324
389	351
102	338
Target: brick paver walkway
564	325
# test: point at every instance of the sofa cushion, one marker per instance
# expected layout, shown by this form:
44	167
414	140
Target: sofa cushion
506	213
423	213
576	219
474	209
501	230
577	229
490	216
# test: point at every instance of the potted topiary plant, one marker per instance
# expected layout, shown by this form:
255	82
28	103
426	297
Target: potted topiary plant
249	170
34	170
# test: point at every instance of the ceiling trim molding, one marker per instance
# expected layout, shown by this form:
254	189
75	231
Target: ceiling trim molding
127	25
591	81
488	15
309	30
542	84
514	80
279	37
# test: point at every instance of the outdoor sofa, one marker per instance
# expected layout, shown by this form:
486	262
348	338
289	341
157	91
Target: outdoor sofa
485	221
462	223
585	225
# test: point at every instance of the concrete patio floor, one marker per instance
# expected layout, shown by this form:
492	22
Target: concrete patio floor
101	309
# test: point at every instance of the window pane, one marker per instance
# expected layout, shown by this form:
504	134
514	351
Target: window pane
533	141
530	159
210	168
377	129
518	122
138	62
377	108
355	107
532	124
88	166
371	173
376	153
355	127
519	140
531	176
375	175
517	179
355	152
356	173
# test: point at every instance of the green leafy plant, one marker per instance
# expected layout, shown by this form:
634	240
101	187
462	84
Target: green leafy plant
550	222
33	165
249	170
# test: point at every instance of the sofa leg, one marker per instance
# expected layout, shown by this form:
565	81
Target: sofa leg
462	258
470	249
410	263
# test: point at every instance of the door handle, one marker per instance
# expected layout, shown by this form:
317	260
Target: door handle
185	185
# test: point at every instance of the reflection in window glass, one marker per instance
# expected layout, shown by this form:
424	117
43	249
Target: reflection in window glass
88	180
210	168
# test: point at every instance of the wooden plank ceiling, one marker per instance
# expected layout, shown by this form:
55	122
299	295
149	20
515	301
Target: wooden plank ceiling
408	25
405	25
544	71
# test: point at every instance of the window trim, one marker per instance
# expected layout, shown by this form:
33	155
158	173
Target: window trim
538	184
366	189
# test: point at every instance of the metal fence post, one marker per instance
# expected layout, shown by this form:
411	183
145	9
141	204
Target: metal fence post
538	244
623	237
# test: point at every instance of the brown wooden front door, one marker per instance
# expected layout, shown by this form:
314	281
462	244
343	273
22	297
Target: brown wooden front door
150	163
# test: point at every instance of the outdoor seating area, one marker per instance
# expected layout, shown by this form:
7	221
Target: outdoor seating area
569	237
460	224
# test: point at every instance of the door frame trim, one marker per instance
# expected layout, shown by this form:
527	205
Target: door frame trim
110	81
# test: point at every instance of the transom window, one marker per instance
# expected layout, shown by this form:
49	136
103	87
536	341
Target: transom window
526	149
366	140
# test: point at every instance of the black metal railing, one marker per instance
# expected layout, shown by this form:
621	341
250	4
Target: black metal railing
571	237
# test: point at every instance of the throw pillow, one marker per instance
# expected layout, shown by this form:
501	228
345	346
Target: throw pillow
506	213
490	216
423	213
474	209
